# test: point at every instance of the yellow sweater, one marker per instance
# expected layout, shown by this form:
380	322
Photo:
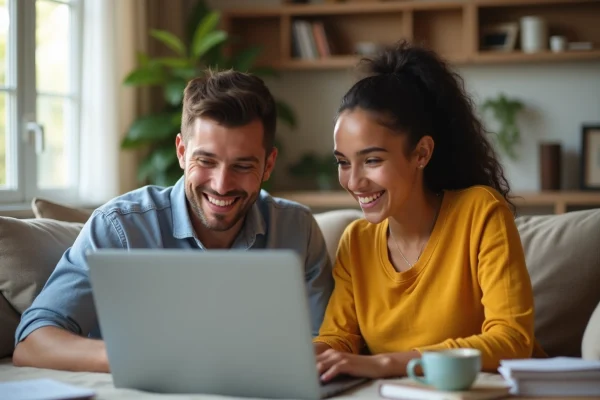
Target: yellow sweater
470	287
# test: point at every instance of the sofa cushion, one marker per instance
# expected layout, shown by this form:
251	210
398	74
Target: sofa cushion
564	265
29	251
60	212
590	348
333	224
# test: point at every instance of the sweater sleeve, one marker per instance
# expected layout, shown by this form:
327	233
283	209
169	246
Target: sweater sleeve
340	329
507	296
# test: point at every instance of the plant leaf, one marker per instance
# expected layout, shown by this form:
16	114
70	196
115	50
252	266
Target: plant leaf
186	73
207	25
170	40
167	178
163	157
173	91
245	59
145	170
153	127
174	173
216	59
174	62
143	59
127	143
176	119
150	74
208	42
195	16
285	113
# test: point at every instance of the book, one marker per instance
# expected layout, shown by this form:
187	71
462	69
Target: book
485	388
321	39
555	364
578	388
558	376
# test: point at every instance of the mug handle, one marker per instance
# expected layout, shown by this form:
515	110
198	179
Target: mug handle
410	370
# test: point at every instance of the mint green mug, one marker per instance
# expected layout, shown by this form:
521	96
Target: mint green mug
454	369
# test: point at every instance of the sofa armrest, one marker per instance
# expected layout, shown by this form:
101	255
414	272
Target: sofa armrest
332	224
590	347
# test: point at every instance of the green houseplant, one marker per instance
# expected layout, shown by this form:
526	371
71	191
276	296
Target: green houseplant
505	111
321	169
203	48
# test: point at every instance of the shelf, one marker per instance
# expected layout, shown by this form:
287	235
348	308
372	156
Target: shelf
519	57
341	62
344	8
560	200
512	3
333	62
347	62
384	6
451	28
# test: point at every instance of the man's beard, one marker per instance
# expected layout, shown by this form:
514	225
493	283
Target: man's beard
219	222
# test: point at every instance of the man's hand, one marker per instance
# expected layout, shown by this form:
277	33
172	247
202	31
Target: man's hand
55	348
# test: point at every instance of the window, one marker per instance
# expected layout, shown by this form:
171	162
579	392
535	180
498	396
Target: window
39	99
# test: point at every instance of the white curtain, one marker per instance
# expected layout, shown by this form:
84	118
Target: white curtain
113	30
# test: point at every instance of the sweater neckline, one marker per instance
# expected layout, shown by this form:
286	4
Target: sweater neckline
428	251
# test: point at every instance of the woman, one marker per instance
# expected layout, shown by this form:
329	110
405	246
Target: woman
437	261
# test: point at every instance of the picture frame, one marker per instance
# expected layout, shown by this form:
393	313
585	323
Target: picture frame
590	157
499	37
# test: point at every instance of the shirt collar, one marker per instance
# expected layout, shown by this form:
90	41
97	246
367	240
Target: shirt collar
182	223
254	224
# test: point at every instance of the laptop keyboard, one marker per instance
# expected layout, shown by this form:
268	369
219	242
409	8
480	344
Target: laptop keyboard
339	385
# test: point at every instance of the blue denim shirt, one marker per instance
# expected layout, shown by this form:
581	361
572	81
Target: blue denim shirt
155	217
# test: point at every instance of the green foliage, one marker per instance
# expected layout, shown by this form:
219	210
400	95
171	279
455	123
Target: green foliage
504	111
202	48
322	169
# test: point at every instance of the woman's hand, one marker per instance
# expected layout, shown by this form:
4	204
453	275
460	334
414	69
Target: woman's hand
332	363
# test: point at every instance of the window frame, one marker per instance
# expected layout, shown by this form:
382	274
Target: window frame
22	46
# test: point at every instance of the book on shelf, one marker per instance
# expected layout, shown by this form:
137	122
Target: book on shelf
558	376
309	40
486	387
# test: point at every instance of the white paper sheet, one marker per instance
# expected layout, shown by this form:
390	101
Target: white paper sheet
42	389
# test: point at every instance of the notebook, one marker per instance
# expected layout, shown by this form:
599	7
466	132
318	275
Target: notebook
487	387
558	376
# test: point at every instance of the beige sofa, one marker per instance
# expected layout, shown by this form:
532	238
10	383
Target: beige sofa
562	251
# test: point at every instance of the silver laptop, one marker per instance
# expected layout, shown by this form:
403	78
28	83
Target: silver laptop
224	322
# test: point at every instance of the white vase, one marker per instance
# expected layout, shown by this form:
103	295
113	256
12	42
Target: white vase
534	34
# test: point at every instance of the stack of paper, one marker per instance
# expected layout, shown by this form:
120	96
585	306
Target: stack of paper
559	376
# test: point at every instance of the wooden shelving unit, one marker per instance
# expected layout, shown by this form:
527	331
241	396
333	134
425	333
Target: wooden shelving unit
518	57
452	28
560	201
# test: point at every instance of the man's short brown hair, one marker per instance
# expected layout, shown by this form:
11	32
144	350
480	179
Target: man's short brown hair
231	99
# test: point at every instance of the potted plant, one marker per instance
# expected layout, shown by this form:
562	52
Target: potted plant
321	170
203	48
505	110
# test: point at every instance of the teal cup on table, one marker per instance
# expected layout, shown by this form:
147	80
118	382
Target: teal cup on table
447	370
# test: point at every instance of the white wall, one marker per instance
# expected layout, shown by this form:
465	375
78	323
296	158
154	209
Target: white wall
559	98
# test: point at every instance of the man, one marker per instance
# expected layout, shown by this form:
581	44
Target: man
226	151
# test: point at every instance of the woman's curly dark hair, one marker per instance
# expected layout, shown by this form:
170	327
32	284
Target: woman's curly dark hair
413	91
